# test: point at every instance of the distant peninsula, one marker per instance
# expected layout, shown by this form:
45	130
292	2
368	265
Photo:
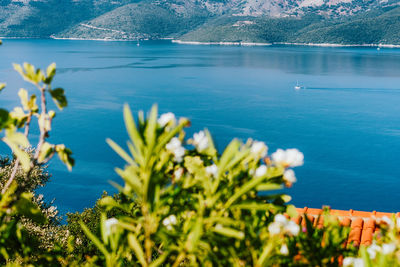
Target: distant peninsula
228	22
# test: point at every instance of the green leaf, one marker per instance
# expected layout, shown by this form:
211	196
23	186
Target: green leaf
19	116
137	248
132	130
59	97
50	72
44	122
19	69
23	157
286	198
211	150
109	203
267	249
120	151
94	239
65	156
45	151
228	154
160	260
194	235
268	187
150	131
27	208
23	95
291	211
5	119
228	232
253	206
17	138
29	73
244	189
131	179
2	86
32	104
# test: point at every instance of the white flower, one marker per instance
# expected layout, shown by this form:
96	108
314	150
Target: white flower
289	157
179	153
261	171
292	228
169	221
348	261
52	208
388	248
289	176
178	174
166	118
284	250
200	140
172	219
282	224
388	221
398	222
358	262
176	148
213	170
259	149
110	225
280	219
173	144
372	250
274	228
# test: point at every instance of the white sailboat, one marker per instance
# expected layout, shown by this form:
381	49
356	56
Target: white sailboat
297	86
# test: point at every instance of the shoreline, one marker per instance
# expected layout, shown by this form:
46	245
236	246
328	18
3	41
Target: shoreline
285	43
339	45
95	39
221	43
177	41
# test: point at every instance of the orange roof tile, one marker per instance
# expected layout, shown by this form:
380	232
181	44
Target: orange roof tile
362	223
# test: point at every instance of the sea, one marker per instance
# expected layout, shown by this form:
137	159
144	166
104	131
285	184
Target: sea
345	118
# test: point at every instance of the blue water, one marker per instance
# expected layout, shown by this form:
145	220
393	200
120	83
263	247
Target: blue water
346	121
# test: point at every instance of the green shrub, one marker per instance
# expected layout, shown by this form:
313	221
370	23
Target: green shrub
187	204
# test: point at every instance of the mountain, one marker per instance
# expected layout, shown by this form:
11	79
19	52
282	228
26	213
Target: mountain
41	18
302	21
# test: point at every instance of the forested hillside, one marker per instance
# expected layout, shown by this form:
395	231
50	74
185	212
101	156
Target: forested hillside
301	21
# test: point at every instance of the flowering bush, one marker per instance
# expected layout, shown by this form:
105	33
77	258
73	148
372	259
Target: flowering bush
187	204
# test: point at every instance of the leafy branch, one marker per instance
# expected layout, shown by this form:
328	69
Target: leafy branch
21	118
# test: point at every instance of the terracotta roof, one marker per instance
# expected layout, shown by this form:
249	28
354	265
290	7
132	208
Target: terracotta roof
362	223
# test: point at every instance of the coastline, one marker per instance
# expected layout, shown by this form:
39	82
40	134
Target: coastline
177	41
95	39
339	45
285	43
221	43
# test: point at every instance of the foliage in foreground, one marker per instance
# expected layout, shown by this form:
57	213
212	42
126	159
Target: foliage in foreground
191	205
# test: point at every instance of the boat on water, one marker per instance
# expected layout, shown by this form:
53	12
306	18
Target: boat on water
297	86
